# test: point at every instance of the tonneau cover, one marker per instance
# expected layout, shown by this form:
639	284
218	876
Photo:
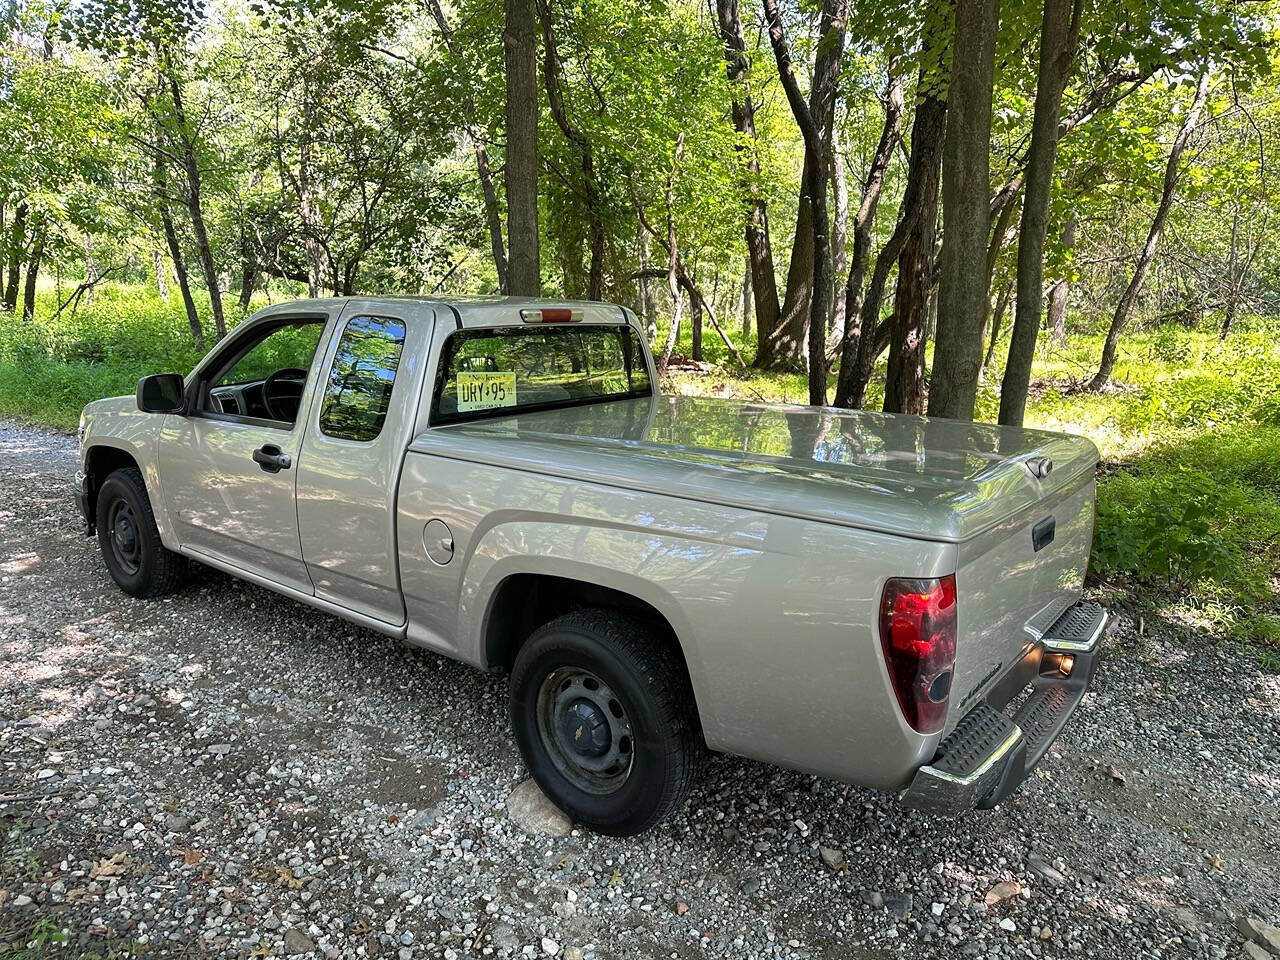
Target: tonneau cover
923	478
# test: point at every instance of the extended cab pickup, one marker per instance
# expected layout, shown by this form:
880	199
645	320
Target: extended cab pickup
889	600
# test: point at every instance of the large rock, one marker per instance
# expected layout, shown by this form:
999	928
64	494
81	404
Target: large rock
1047	871
1263	934
296	941
530	809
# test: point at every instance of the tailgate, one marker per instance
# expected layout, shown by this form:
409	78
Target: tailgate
1010	592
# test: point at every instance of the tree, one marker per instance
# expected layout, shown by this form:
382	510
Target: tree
957	357
1059	34
904	379
1061	290
193	192
492	209
814	118
864	221
551	69
160	187
521	44
1172	173
764	282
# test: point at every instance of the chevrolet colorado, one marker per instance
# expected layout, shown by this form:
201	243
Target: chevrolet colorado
889	600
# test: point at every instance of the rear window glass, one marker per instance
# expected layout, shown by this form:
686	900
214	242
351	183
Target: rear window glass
486	373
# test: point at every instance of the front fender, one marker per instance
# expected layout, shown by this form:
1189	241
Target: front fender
118	425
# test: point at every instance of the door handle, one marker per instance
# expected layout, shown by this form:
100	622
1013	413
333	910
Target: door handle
272	459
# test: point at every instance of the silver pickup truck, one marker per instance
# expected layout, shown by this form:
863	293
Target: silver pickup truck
889	600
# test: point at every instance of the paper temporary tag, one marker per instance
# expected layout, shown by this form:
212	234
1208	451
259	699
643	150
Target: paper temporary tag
485	390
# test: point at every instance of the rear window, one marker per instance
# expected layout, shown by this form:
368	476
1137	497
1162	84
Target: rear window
503	370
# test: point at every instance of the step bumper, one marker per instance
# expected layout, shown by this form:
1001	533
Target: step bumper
1000	740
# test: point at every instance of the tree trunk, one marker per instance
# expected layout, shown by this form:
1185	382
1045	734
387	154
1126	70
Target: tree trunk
860	351
1060	292
957	352
520	42
782	348
33	273
162	279
845	336
317	265
746	300
695	329
673	260
591	188
492	210
248	280
815	119
192	169
997	319
904	382
764	283
1059	34
839	230
16	234
1169	189
161	189
646	304
492	213
90	272
1233	283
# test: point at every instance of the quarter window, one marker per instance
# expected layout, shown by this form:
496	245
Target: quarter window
358	391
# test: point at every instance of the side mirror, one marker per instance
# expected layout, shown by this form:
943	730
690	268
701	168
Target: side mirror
161	393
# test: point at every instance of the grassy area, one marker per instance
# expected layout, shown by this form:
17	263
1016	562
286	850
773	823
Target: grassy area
1189	499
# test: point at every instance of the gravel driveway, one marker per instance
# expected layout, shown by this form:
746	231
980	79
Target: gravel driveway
225	773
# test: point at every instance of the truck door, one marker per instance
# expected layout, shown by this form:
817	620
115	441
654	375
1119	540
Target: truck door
227	466
356	435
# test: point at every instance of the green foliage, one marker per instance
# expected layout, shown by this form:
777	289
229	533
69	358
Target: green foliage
1165	526
44	939
52	366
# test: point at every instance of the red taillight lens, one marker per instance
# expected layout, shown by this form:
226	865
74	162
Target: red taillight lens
918	636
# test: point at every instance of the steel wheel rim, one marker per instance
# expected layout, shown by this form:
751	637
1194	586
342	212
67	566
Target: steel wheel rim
122	531
585	729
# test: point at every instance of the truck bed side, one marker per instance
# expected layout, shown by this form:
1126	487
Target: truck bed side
775	615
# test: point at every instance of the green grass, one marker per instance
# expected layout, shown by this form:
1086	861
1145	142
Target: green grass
51	367
1189	498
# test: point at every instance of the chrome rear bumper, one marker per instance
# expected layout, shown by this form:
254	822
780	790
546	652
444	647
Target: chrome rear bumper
991	750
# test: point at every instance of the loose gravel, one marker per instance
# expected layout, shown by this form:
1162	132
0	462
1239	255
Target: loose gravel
225	773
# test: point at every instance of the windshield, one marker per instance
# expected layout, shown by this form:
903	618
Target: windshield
502	370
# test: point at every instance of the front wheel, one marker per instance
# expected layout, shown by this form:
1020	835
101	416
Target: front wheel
603	714
136	559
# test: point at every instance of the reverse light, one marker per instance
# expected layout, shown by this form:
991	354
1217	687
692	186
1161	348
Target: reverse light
551	315
918	638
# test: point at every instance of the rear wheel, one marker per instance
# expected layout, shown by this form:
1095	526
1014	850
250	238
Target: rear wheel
604	717
136	559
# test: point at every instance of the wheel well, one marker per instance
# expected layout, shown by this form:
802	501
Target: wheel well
526	601
100	463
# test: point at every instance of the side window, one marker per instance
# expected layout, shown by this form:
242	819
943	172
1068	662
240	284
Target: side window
264	378
358	391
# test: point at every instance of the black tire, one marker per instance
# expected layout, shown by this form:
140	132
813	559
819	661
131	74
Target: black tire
136	559
635	672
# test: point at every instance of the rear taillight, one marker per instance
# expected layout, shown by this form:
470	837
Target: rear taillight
918	636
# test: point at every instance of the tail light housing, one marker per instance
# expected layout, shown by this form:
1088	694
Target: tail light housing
918	637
